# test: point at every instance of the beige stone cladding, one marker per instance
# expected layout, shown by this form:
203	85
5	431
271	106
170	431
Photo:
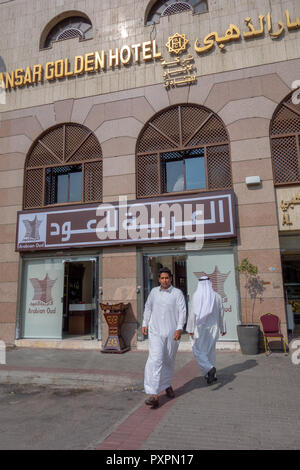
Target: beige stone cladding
243	84
10	202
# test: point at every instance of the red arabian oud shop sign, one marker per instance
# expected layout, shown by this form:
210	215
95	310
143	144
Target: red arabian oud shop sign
196	217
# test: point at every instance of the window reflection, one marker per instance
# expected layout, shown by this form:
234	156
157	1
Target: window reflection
183	171
63	184
175	176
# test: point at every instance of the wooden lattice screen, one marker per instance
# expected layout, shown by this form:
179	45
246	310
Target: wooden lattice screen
181	128
285	136
65	144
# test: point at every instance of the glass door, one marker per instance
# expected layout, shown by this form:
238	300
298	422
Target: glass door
219	266
80	313
42	298
187	267
176	264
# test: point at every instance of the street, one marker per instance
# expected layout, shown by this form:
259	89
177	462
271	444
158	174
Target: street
35	417
254	405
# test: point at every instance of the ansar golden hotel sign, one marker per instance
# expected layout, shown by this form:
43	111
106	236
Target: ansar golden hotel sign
177	73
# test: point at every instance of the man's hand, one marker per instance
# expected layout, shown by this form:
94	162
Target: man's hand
145	330
177	335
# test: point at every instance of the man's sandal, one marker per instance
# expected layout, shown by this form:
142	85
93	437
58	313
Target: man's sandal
170	392
153	402
211	376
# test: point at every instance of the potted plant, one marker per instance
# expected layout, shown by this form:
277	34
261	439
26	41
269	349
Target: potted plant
248	333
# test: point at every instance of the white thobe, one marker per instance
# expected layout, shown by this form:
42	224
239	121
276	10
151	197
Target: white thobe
206	335
165	312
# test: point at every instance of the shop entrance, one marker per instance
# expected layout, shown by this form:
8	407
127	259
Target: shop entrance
177	266
59	298
291	280
79	298
187	267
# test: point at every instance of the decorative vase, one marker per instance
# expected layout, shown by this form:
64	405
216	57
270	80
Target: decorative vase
114	316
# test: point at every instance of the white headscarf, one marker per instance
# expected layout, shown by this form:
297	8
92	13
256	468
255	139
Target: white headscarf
203	299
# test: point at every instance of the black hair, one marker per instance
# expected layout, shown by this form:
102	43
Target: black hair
164	270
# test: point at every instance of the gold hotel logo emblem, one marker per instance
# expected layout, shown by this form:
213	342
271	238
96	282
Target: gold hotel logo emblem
177	43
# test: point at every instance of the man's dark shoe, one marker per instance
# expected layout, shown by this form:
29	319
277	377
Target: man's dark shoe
211	376
170	392
153	402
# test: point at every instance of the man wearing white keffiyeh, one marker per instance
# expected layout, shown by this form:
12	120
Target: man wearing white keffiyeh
205	321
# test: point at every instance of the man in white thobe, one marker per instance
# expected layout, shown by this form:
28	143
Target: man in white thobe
205	322
164	319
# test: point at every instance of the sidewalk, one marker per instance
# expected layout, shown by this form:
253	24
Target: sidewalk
73	368
253	405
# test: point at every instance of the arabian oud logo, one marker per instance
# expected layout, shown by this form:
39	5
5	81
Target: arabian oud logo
217	279
32	229
42	290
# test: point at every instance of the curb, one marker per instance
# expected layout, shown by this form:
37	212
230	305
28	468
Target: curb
88	345
188	346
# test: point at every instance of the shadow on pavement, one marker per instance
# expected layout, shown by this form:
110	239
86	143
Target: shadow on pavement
225	376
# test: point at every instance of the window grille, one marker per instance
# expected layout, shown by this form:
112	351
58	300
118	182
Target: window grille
67	146
285	143
177	7
171	7
183	133
70	33
68	28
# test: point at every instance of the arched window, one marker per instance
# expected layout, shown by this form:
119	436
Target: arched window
285	142
63	166
171	7
71	26
183	148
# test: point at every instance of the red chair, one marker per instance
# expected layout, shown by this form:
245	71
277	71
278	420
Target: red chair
271	330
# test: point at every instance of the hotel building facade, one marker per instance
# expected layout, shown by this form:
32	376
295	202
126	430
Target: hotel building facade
126	126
